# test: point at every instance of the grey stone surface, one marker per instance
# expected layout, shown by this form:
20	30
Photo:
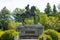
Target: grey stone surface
28	39
30	31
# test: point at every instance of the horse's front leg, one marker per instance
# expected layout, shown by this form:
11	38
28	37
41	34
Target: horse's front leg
38	18
35	20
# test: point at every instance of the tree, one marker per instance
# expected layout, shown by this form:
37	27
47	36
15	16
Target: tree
48	9
4	18
17	12
4	13
59	7
54	10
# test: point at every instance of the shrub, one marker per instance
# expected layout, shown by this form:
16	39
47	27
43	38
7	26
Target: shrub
29	21
13	25
1	33
52	33
47	37
9	35
59	35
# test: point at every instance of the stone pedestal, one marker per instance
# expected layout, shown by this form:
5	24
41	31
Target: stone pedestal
30	31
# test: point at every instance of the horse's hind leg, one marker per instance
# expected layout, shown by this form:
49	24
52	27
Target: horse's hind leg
23	22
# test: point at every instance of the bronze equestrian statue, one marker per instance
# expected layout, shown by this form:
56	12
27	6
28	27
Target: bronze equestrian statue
28	13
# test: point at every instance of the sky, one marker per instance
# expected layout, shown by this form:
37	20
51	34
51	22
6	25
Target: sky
40	4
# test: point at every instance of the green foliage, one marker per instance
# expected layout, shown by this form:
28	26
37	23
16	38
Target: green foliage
4	18
48	37
48	9
1	33
50	22
44	19
37	11
4	24
13	25
58	15
27	21
16	14
5	11
59	35
53	21
9	35
54	10
52	33
57	25
37	18
59	7
18	11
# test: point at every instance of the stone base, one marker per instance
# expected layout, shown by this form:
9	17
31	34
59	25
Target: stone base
30	31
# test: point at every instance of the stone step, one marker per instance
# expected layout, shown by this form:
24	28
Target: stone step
28	39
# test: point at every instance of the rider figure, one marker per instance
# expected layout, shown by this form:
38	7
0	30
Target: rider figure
27	7
27	11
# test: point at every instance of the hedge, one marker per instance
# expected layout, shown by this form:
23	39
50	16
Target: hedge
9	35
52	33
44	35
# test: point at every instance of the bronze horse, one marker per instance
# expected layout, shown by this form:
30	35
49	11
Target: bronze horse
28	13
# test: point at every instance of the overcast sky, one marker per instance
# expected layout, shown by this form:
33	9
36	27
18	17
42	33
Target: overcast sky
41	4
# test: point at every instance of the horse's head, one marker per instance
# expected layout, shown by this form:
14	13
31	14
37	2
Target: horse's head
33	8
